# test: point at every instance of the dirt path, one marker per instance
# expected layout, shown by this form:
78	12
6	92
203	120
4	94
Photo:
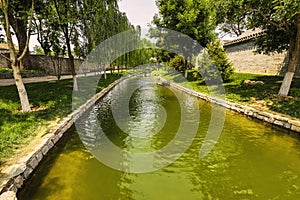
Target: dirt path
5	82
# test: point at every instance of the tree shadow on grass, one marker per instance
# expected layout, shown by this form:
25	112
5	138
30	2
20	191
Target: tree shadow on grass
268	93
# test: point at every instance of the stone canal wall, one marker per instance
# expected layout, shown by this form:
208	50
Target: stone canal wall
276	120
13	177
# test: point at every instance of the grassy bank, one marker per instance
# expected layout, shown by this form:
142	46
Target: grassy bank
258	96
51	100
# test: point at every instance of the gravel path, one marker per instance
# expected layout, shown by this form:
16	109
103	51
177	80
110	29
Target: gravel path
5	82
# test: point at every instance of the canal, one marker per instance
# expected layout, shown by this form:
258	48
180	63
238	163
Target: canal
249	161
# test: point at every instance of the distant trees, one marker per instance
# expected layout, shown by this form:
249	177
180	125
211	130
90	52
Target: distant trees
195	18
59	25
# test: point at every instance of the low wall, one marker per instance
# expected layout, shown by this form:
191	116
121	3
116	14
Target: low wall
44	63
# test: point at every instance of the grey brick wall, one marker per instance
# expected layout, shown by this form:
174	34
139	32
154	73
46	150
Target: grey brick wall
245	60
42	62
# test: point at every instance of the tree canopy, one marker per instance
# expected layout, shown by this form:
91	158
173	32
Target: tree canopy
196	19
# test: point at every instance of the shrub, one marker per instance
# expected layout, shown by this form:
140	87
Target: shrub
214	56
177	62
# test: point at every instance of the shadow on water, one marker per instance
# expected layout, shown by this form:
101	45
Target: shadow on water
69	143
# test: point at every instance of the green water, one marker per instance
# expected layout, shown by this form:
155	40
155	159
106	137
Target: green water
250	160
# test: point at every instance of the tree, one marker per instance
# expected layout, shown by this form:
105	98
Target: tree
44	25
215	56
190	17
280	21
18	18
235	22
14	59
67	14
195	18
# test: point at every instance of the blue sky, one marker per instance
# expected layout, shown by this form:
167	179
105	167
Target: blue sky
139	12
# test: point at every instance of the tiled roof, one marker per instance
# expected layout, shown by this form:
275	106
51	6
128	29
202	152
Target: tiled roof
248	35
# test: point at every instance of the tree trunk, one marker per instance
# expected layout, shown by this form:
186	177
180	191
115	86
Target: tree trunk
25	62
71	60
21	88
186	68
186	72
72	66
19	28
105	77
13	56
294	54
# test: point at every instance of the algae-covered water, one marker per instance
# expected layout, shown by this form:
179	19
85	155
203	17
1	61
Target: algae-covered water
249	161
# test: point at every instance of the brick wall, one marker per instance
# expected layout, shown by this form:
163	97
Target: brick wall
45	63
245	60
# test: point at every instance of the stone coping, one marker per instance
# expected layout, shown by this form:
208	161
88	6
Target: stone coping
15	175
284	122
243	39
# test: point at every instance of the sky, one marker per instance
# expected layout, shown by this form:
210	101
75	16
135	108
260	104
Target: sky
139	12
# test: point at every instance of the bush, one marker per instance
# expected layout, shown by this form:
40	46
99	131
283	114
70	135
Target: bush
177	62
214	56
5	70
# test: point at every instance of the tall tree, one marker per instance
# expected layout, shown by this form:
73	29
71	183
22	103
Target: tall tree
67	15
18	18
235	22
190	17
6	8
280	21
195	18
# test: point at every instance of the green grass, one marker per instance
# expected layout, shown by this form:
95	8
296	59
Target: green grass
259	96
8	70
17	128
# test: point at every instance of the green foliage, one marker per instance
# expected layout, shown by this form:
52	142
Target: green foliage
206	67
277	18
38	50
177	62
98	21
214	58
6	70
235	22
219	58
191	17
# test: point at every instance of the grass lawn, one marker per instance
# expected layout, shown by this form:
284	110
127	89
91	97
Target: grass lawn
258	96
55	99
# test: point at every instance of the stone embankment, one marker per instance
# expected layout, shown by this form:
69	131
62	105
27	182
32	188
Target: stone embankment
13	177
277	120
